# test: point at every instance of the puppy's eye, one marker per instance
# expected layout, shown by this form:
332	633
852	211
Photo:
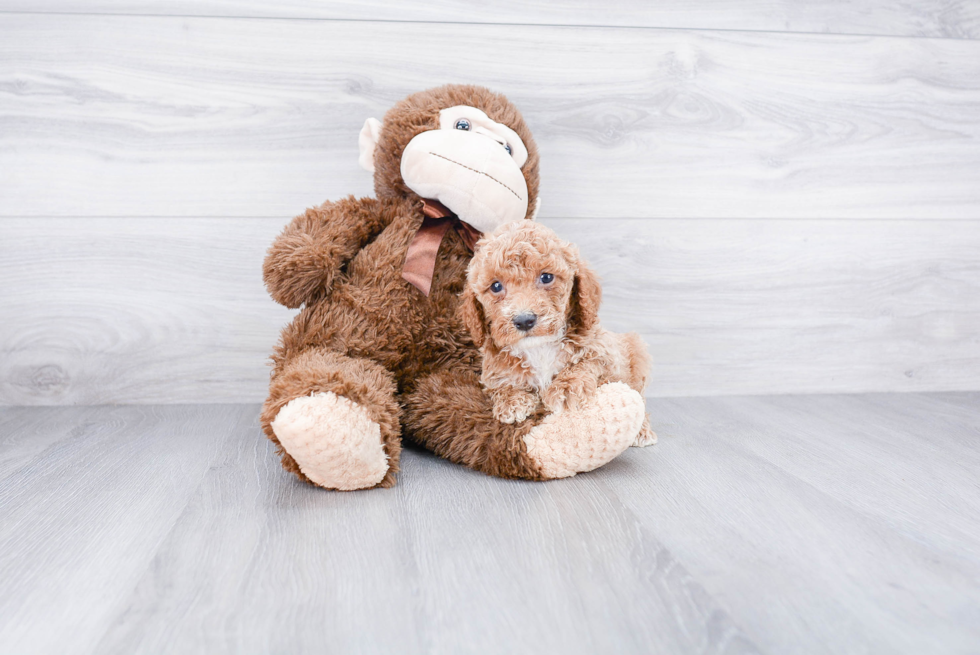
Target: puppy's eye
510	151
496	287
462	124
547	278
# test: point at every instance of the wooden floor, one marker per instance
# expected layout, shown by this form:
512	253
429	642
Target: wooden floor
785	524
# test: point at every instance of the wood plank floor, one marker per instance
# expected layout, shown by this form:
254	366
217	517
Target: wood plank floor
776	524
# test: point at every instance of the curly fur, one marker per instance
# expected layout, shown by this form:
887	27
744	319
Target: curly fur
364	333
567	355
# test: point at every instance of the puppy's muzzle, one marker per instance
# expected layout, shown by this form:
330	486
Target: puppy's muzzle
525	322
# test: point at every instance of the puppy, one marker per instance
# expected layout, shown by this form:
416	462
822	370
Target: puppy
531	305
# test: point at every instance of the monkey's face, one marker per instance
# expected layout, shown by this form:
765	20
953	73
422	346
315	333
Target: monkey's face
435	146
472	165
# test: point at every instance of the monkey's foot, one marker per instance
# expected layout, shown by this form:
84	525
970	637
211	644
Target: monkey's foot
584	439
334	441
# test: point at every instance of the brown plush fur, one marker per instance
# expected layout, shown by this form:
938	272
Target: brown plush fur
579	355
366	334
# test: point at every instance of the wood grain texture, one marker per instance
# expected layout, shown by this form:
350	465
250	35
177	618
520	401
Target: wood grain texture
958	19
449	561
158	116
786	524
851	517
25	432
761	307
140	310
90	511
173	310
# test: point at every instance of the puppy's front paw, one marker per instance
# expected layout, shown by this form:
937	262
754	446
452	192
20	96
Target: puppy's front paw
514	406
553	397
570	393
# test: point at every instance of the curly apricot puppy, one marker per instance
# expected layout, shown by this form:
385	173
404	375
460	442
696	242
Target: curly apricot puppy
531	305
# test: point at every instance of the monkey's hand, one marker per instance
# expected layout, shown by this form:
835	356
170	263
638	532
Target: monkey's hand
513	405
306	257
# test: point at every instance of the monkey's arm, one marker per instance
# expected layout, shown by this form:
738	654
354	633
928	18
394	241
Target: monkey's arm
311	250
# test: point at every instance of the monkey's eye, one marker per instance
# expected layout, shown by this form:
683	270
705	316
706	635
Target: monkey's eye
496	287
462	124
508	149
546	278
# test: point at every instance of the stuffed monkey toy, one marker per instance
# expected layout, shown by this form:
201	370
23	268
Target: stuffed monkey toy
377	352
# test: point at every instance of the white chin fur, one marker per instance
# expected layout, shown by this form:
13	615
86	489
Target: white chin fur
540	354
530	342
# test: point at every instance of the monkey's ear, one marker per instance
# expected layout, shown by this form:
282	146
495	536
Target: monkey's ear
471	313
537	208
368	141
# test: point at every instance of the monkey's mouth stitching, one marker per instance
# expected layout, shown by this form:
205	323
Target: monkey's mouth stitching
435	154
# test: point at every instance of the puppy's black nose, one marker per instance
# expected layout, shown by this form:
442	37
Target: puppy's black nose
525	322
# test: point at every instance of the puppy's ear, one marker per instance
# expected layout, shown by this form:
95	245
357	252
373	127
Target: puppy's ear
583	306
470	311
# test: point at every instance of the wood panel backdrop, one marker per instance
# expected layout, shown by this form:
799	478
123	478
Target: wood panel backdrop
783	196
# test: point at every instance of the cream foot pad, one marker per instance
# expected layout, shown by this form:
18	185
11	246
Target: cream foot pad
582	440
334	441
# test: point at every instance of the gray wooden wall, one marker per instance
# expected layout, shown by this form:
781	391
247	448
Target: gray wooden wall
781	195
